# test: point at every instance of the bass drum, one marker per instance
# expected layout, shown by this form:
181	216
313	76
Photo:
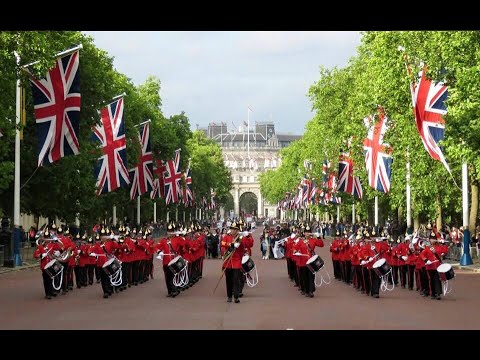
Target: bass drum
315	263
445	272
112	266
247	264
381	267
177	264
53	268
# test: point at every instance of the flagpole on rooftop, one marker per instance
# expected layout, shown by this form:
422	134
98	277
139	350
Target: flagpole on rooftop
17	235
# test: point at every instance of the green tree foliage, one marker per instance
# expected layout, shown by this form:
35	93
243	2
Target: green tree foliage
377	75
66	188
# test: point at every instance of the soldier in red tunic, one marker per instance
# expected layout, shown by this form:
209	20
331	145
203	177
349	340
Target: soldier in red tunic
233	247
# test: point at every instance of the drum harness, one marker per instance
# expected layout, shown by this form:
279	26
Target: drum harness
445	286
384	278
180	279
115	279
60	273
322	280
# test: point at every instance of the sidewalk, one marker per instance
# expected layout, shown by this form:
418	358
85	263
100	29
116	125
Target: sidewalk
28	261
25	265
475	267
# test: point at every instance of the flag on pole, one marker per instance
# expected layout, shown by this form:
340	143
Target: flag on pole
346	181
142	173
172	178
158	183
111	168
378	155
56	99
429	106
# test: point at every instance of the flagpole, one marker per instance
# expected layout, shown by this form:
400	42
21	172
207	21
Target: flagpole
409	200
466	258
338	214
376	212
114	215
60	54
248	132
353	214
138	210
154	212
17	234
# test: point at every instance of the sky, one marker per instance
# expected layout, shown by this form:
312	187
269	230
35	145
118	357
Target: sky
216	76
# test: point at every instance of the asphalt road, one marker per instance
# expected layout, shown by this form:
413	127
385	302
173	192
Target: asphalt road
273	304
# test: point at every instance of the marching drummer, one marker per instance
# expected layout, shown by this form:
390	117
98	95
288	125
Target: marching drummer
44	252
167	249
233	248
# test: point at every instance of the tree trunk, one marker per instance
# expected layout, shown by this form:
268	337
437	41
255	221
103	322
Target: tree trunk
472	223
416	222
400	215
439	214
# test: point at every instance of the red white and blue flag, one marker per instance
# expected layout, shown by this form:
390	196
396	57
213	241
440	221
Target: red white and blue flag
378	158
142	173
56	99
346	181
111	168
173	178
188	198
158	182
429	106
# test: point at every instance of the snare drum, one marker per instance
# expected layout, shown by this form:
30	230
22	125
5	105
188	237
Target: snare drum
112	266
177	264
315	263
247	264
445	272
381	267
53	268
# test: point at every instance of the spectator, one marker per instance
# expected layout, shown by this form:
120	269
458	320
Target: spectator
31	236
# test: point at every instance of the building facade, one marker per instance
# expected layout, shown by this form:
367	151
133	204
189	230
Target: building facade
247	152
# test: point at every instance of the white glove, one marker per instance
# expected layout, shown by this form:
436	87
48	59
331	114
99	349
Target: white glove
56	253
43	255
292	236
363	262
297	253
160	255
404	258
317	234
236	245
428	262
370	258
79	251
93	254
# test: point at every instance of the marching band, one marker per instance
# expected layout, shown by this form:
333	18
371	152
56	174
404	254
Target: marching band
121	258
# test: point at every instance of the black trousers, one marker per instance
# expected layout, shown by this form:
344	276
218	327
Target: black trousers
375	286
90	272
347	271
47	284
105	281
410	276
232	278
403	275
169	279
424	285
307	278
366	279
435	283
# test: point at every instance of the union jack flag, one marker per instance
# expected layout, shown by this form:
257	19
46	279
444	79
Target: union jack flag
346	181
429	106
158	182
56	101
111	168
173	178
142	173
378	158
188	197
